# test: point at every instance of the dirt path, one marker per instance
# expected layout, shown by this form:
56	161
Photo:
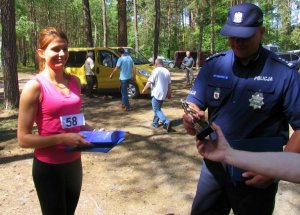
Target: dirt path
152	172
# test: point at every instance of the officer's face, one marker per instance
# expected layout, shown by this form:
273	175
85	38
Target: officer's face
245	48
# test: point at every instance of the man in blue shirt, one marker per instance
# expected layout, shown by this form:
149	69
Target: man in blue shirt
126	66
253	95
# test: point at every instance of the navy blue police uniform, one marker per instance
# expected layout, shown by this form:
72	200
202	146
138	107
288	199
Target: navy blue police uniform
254	106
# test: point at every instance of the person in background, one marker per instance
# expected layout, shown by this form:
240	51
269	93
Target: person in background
253	96
279	165
127	73
52	101
187	64
161	89
89	69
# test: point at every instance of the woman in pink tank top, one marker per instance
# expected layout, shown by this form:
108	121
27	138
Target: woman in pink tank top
52	101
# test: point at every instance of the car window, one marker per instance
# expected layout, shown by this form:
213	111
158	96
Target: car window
295	57
107	59
285	56
76	59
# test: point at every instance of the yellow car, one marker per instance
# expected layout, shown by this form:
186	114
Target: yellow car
105	62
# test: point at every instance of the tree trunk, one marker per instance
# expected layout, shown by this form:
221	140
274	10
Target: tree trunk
169	29
201	27
122	23
33	34
9	54
136	35
183	43
104	23
157	28
213	20
87	23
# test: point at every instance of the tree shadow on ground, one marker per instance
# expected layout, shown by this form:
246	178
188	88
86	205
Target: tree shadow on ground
8	132
9	159
6	135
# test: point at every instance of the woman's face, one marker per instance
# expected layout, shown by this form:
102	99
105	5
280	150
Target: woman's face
56	54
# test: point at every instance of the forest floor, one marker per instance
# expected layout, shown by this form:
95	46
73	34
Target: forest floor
151	172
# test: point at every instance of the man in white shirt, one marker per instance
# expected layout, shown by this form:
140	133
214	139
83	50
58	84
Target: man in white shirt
161	89
89	68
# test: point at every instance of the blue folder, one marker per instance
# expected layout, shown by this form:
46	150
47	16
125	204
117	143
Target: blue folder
262	144
102	141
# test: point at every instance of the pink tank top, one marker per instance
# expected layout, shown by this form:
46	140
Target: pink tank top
54	104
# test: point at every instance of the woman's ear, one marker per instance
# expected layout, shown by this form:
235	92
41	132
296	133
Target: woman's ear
41	54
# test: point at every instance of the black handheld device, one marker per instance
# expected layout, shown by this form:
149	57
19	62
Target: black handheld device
205	132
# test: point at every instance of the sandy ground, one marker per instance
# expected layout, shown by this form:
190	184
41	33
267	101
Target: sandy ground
151	172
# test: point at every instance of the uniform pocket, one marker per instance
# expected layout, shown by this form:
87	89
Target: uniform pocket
217	90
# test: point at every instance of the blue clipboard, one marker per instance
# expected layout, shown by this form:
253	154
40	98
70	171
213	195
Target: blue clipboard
102	141
262	144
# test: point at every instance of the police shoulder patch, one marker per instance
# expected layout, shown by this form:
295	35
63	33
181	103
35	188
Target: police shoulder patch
282	60
215	55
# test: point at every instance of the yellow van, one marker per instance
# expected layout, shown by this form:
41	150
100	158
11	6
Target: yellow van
105	62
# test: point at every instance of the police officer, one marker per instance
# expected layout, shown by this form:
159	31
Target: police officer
253	95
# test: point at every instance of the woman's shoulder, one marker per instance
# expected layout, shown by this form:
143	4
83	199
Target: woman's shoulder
31	90
31	85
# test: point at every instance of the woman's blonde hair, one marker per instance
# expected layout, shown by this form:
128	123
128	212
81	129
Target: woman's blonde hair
46	36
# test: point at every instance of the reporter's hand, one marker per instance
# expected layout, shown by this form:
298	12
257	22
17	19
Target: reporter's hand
256	180
214	150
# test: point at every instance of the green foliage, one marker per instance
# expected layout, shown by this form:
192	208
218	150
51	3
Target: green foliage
295	38
24	26
32	15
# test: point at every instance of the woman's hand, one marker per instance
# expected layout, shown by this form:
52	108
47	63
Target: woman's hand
74	139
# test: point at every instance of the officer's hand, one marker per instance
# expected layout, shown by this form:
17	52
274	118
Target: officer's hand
189	118
188	124
256	180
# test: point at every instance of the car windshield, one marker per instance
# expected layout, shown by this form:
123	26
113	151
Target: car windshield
137	57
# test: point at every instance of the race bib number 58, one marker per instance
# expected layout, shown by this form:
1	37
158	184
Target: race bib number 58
71	121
